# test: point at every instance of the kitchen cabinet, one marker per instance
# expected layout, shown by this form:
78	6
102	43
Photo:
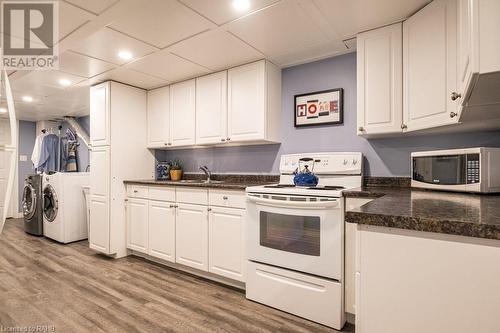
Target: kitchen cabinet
161	232
211	108
191	236
410	281
158	117
380	80
137	224
254	102
100	114
350	255
118	125
226	242
182	114
430	66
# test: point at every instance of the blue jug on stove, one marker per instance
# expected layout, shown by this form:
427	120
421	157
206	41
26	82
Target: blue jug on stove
303	176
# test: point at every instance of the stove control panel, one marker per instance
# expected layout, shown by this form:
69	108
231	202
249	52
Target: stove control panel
324	163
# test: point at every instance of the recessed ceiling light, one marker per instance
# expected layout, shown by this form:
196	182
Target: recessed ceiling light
3	110
241	5
125	55
64	82
27	99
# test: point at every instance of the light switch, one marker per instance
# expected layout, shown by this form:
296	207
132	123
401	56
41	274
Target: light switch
23	158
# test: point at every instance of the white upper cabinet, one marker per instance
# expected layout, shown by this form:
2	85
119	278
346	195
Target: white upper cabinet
380	80
100	115
211	108
158	117
430	66
254	102
182	113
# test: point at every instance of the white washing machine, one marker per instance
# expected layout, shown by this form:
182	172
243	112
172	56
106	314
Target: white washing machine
64	212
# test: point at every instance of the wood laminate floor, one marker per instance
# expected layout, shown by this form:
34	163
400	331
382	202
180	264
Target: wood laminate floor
74	289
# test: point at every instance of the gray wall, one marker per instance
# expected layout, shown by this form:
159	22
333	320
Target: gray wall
27	137
384	157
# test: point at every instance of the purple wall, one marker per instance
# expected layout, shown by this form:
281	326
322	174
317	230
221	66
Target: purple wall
27	137
383	157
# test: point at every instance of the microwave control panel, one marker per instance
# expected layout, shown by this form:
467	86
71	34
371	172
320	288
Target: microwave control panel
472	168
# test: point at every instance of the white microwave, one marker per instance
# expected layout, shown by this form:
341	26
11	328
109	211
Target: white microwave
461	170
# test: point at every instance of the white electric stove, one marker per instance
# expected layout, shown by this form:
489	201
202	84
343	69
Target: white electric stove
295	238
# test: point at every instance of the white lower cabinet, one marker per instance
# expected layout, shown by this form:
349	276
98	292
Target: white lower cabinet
137	224
165	223
191	236
162	230
226	242
99	224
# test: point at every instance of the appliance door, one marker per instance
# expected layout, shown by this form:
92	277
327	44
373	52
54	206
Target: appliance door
440	170
304	236
29	201
50	203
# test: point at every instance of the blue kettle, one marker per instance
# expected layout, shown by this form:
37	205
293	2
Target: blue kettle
303	176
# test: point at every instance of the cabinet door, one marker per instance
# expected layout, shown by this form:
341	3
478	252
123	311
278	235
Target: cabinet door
430	66
466	49
247	102
158	117
211	108
191	231
99	171
182	113
100	115
162	230
99	224
137	224
380	80
226	242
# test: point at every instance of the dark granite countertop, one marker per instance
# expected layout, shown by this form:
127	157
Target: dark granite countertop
463	214
230	182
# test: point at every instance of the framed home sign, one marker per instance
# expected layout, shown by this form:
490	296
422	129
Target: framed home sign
319	108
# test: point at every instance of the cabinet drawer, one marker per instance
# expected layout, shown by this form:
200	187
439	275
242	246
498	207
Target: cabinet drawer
192	195
162	193
227	198
136	191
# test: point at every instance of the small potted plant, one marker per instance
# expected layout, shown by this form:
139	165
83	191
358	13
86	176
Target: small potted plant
175	170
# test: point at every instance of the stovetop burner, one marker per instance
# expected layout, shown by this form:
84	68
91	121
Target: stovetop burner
325	188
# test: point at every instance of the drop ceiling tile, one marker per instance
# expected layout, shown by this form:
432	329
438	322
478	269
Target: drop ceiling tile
95	6
129	76
42	82
348	18
162	22
279	29
216	49
222	11
167	66
311	53
71	18
81	65
106	43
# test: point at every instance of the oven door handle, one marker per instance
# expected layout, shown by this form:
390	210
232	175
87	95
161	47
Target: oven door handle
295	204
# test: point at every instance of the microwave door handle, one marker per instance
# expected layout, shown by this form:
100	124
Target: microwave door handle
295	204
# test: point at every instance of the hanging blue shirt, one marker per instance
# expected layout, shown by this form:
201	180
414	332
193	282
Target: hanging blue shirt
49	153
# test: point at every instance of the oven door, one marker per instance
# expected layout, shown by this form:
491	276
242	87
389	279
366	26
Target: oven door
297	233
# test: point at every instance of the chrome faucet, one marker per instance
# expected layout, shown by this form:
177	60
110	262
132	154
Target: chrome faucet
207	172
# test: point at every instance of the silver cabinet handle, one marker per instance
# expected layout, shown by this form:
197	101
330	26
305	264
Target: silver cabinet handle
361	129
172	206
453	114
209	209
403	126
166	144
455	96
135	191
228	139
222	139
225	198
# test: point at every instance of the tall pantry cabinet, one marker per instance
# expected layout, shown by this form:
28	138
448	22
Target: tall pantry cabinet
118	152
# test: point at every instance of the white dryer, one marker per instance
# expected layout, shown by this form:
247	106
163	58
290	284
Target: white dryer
64	213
